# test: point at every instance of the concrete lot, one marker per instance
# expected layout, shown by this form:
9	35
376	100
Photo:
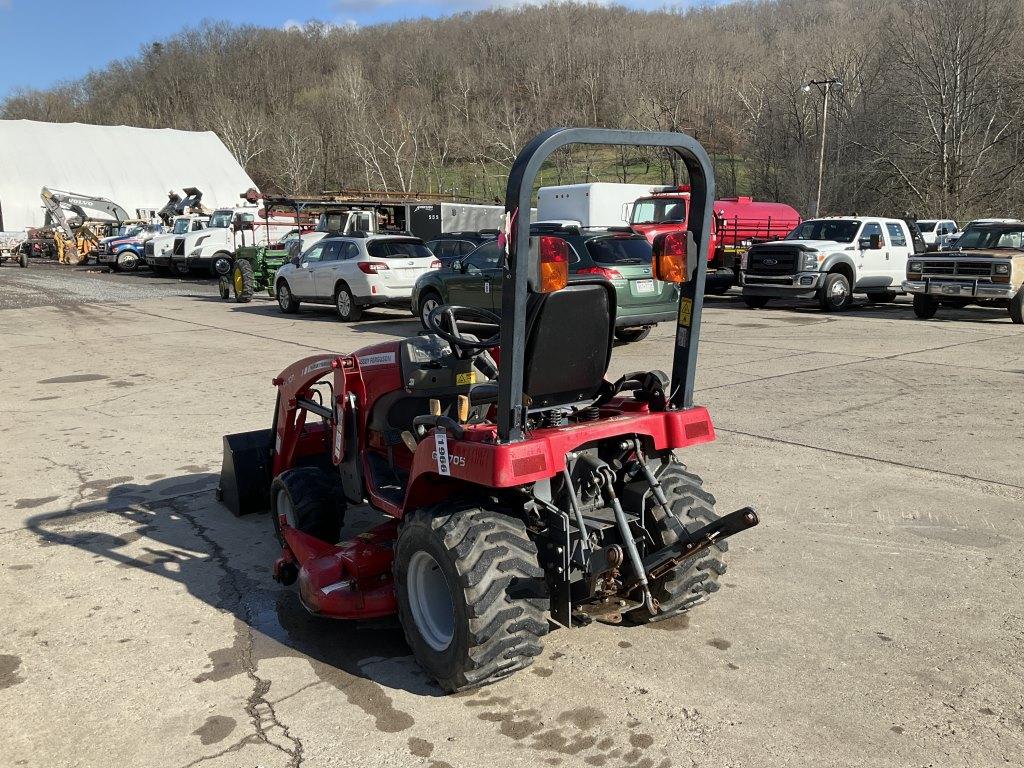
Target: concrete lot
875	618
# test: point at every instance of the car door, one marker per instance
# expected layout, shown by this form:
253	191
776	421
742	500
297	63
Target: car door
301	278
873	263
476	282
900	248
327	272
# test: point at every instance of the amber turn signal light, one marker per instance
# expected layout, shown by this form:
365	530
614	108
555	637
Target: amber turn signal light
554	263
669	262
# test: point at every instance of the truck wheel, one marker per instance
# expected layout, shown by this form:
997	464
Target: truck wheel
756	302
224	287
309	500
887	297
23	259
288	303
1017	307
429	301
834	294
694	580
221	264
629	335
345	305
127	261
925	306
471	596
243	280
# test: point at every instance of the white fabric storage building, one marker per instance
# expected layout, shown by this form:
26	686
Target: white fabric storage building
134	167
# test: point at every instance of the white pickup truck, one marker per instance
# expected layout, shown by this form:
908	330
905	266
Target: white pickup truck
829	260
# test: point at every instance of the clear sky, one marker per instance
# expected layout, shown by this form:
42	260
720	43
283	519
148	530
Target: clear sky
43	42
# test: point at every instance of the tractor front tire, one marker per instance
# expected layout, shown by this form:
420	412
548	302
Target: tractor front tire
243	280
224	287
694	580
23	259
311	501
471	594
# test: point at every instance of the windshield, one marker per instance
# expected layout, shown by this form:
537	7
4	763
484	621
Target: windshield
398	249
927	226
131	231
180	226
992	237
220	220
332	221
654	210
838	230
620	250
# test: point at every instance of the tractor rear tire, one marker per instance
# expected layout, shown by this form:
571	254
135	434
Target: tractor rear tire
311	501
243	280
925	306
471	594
694	580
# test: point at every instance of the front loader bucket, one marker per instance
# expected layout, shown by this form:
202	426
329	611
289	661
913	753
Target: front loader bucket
245	472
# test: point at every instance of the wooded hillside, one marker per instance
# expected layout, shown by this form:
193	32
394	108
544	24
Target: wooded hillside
929	119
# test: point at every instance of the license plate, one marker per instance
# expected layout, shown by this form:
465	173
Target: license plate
644	286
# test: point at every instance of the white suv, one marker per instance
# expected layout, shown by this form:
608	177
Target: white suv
354	272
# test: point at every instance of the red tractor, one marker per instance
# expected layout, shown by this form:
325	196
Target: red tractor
514	483
737	223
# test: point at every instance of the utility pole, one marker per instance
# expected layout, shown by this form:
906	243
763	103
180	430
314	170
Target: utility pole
825	86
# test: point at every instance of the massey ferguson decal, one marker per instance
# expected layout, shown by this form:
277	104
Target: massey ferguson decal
382	358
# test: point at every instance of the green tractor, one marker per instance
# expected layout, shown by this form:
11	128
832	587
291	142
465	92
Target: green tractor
253	271
314	217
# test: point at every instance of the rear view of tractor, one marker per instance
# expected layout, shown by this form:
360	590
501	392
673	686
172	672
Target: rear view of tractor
252	272
515	484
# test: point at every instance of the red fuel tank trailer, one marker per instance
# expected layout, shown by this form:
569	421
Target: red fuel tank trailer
739	223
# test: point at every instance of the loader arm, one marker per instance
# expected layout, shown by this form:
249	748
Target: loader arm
56	201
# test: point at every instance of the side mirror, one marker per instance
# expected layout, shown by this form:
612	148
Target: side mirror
457	265
669	262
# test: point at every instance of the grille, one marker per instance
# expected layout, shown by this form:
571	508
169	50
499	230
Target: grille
179	246
964	269
773	260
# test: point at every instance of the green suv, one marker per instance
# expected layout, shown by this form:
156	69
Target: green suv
619	255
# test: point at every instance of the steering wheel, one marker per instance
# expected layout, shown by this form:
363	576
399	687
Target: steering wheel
451	315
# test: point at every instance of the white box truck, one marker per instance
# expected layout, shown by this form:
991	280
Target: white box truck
600	204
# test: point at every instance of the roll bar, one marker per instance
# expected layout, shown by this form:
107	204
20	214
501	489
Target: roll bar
518	197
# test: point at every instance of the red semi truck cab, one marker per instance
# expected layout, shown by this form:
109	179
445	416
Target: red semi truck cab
739	223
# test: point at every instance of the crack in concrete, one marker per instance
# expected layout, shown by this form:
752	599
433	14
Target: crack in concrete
258	707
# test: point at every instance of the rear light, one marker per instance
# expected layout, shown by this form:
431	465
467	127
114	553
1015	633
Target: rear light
554	263
373	267
669	262
436	264
608	274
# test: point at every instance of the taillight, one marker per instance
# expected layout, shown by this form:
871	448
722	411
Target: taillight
608	274
373	267
554	263
436	264
669	263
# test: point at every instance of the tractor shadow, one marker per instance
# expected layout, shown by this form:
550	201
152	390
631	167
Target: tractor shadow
226	562
901	309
